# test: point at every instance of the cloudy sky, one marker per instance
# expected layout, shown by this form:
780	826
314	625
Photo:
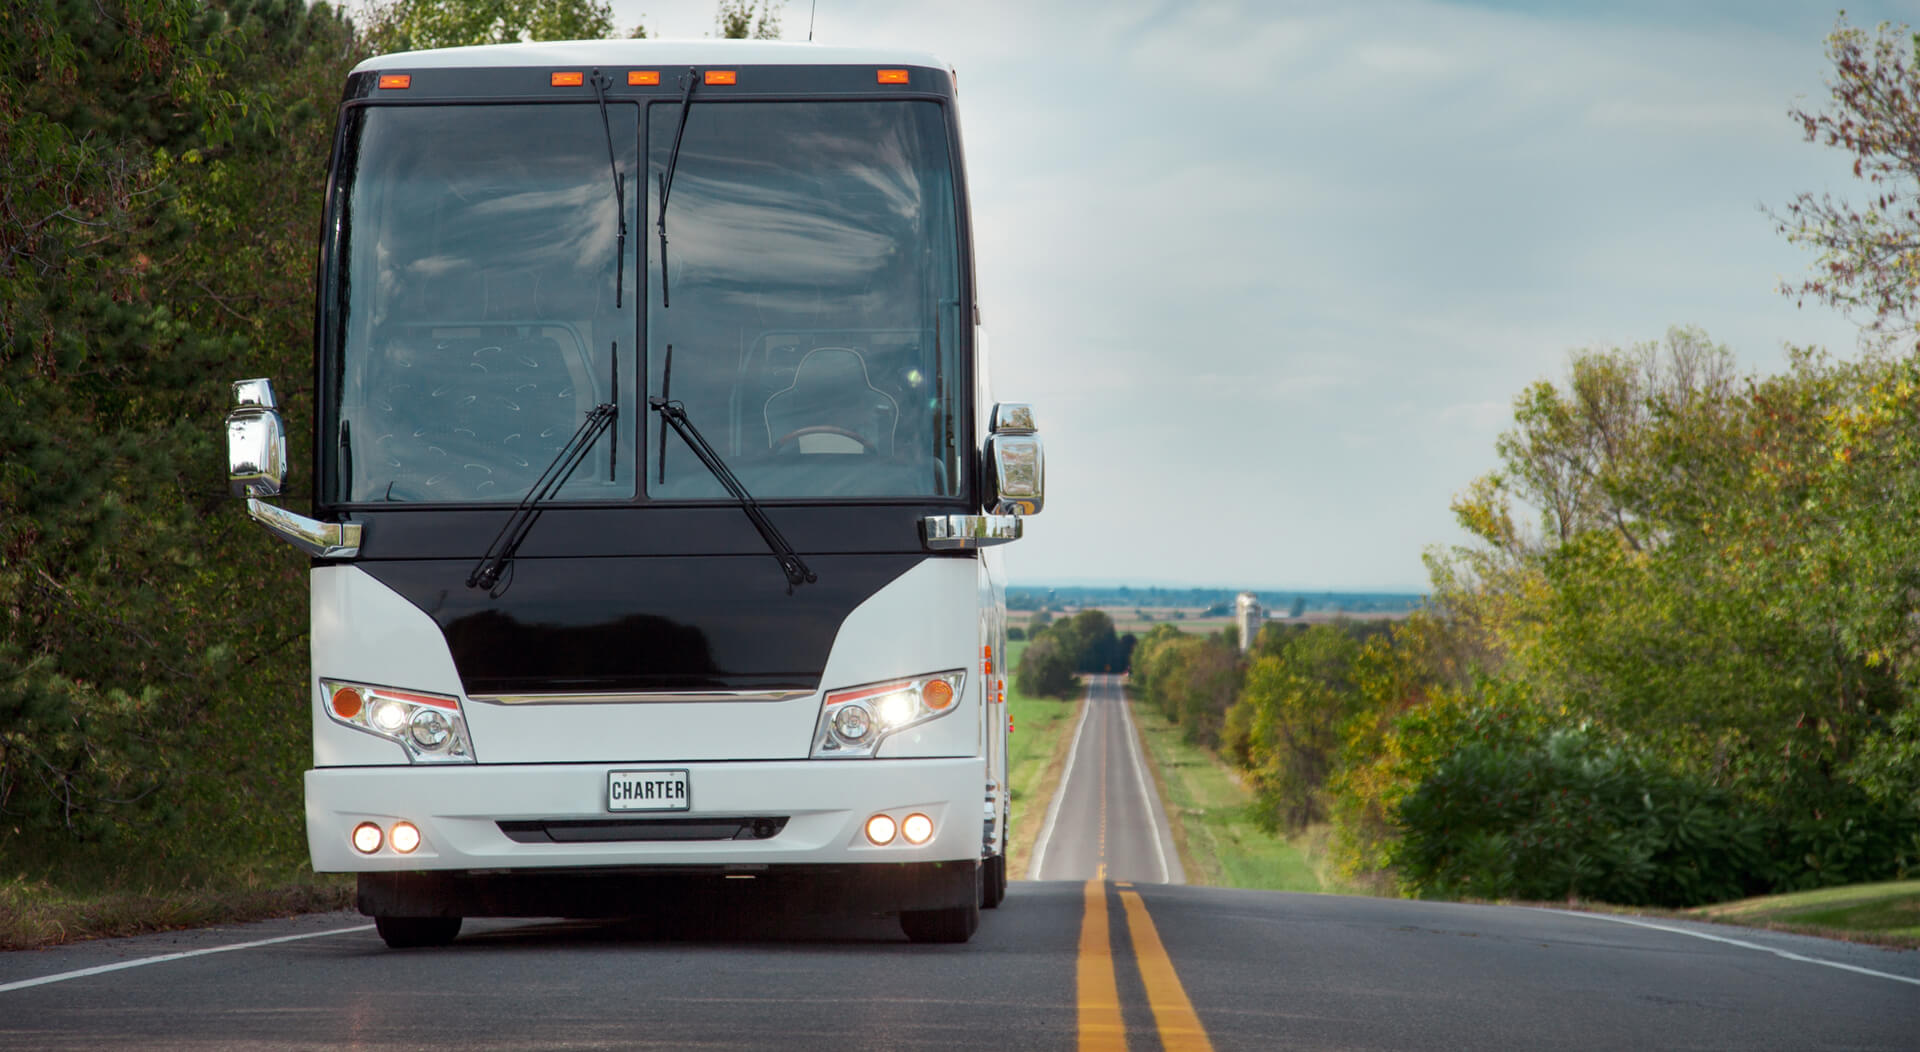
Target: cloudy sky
1272	273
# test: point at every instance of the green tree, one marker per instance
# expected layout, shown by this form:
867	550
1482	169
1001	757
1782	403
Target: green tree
1285	725
744	19
405	25
1046	669
1192	679
1727	588
165	164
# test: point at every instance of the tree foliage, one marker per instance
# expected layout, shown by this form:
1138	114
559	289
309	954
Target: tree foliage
748	19
1869	254
165	160
1192	679
1046	668
1084	642
1736	600
405	25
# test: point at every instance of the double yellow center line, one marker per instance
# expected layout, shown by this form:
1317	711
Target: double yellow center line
1101	1027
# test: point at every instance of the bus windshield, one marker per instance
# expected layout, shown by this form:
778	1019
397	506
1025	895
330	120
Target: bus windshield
812	329
476	302
810	324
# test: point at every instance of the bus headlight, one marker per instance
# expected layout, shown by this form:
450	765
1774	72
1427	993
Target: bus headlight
855	720
431	727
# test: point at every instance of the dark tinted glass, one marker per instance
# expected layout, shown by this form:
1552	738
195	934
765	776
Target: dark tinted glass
814	319
476	306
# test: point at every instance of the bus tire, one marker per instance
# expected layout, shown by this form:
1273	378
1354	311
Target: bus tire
994	889
953	924
404	933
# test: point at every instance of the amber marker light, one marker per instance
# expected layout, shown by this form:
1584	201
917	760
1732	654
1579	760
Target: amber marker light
720	76
569	80
936	695
347	703
893	76
396	80
643	76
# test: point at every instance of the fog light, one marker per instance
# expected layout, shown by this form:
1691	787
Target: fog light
918	829
366	838
879	830
406	837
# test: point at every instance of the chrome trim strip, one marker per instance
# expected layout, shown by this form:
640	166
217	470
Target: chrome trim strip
953	532
642	698
322	540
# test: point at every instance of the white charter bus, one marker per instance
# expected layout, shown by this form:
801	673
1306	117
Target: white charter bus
657	490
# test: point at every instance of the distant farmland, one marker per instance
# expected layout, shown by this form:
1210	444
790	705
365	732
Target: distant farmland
1202	610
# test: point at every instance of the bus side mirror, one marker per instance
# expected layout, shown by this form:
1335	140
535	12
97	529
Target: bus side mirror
1016	462
257	467
256	441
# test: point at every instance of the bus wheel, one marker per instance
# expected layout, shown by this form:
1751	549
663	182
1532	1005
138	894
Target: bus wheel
955	924
995	884
403	933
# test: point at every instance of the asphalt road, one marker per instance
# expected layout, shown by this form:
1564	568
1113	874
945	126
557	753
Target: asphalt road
1128	961
1106	812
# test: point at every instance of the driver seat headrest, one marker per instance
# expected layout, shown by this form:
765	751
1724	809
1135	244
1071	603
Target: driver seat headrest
831	389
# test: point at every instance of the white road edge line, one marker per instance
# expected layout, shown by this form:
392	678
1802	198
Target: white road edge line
1148	799
84	972
1788	954
1053	806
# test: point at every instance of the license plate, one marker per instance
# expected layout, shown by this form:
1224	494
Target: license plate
649	791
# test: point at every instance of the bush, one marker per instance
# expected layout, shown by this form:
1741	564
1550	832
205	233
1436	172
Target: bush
1573	815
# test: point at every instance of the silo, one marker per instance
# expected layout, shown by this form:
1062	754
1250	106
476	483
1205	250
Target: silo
1248	615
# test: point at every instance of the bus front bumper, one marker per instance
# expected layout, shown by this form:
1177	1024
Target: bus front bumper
741	817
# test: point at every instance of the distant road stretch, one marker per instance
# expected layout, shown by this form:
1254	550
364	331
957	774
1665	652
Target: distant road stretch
1106	819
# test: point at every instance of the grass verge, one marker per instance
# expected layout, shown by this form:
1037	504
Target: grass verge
1036	757
35	914
1884	914
1212	817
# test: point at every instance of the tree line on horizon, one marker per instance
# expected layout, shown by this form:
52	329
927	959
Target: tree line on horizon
1059	599
1680	663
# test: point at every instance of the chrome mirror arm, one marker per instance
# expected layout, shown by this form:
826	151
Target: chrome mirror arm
322	540
961	532
257	467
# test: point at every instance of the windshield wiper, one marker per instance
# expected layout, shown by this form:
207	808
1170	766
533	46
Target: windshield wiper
499	555
666	179
601	83
790	563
